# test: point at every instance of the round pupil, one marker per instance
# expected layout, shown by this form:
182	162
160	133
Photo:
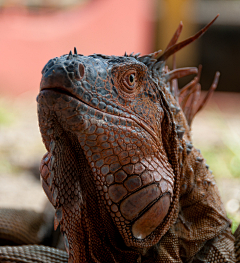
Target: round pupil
131	78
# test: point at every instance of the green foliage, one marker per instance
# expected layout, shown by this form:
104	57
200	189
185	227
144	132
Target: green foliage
5	165
6	114
219	143
223	154
235	221
223	160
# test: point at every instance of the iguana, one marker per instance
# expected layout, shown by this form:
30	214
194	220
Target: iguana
120	169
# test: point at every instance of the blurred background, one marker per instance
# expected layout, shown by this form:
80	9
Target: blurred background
33	31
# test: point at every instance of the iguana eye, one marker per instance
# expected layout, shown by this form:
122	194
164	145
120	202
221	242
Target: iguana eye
130	80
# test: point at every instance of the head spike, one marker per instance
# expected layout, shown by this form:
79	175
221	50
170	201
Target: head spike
180	72
146	58
190	95
189	108
70	55
193	88
173	49
137	55
180	133
75	51
175	36
184	92
210	92
174	64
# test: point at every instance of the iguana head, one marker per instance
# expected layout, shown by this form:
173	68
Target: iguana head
114	111
110	124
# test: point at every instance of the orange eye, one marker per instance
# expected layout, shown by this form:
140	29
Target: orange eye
130	81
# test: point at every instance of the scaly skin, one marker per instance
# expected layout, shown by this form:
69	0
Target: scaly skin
32	254
120	170
16	232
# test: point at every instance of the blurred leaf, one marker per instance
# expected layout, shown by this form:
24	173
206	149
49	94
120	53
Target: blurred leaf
223	156
7	115
235	221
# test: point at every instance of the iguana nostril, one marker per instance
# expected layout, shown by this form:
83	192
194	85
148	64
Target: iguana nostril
79	71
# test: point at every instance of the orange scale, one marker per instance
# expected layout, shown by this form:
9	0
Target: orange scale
132	153
138	168
111	159
120	176
134	159
129	169
146	177
123	155
117	192
102	138
133	183
163	186
157	176
125	161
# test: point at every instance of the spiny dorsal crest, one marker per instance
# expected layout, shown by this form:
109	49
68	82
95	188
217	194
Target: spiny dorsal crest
189	96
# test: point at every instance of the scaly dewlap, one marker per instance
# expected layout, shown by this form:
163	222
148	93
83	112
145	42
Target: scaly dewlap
151	219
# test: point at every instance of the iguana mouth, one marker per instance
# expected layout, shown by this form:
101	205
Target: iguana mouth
60	90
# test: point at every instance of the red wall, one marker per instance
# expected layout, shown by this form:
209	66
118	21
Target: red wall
28	41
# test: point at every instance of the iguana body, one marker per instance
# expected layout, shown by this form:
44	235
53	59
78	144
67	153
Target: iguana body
121	171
